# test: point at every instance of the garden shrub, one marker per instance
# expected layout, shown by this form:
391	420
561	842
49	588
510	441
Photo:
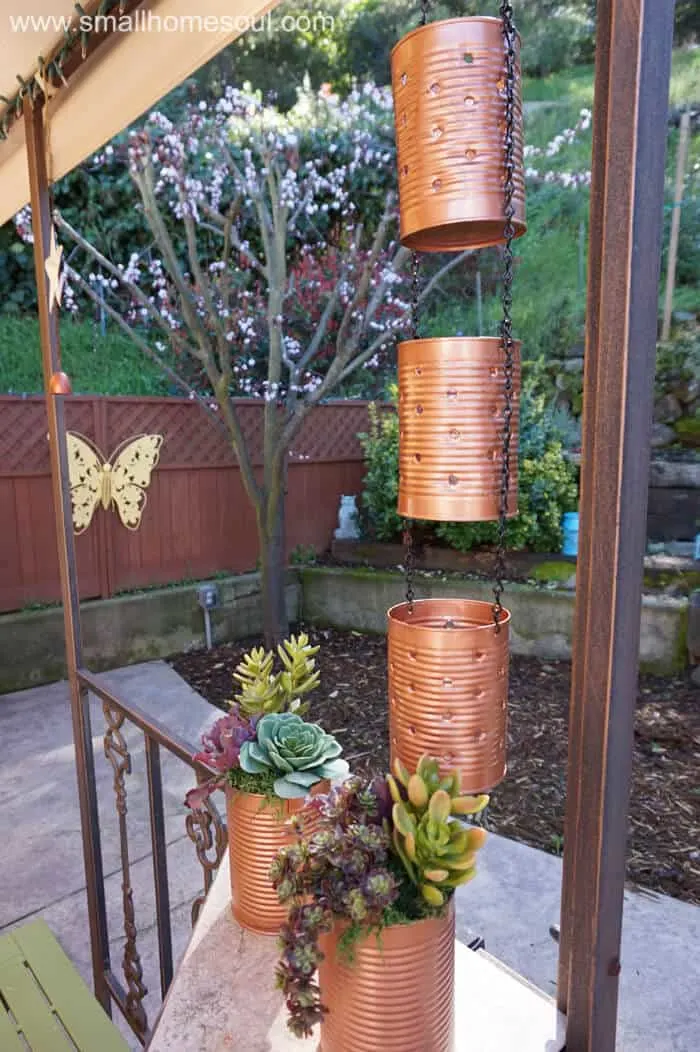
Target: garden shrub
547	488
379	518
547	485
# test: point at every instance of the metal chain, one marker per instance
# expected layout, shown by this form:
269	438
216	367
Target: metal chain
415	293
410	559
410	562
509	37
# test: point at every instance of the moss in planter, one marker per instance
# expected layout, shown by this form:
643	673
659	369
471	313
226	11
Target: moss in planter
256	784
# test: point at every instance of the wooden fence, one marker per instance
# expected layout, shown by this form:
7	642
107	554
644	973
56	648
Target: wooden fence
198	520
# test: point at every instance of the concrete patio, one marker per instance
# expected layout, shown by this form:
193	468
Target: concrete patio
512	903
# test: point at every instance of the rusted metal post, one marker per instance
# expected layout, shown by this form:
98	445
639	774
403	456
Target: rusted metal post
633	59
55	411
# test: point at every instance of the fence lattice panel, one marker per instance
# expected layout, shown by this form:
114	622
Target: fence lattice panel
198	519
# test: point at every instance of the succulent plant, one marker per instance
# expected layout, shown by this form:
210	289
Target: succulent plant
342	869
221	751
265	691
299	754
437	851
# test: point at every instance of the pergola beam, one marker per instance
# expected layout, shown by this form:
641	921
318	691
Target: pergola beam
55	411
633	61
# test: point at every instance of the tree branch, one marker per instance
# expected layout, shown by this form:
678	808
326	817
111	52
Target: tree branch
143	177
135	292
144	346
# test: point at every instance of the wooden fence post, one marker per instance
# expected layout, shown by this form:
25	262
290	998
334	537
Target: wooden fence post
681	161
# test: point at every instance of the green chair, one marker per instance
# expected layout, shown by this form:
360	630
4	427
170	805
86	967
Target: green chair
44	1001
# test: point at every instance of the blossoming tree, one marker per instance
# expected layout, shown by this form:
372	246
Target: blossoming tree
272	270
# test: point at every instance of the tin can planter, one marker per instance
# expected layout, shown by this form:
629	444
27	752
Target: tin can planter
451	405
449	85
258	828
448	688
397	992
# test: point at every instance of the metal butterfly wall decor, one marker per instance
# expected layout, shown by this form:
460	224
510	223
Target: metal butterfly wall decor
121	480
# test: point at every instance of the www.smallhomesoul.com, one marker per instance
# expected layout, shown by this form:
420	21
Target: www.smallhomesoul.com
151	22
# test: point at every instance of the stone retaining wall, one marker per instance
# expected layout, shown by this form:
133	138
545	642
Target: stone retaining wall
130	628
165	621
542	622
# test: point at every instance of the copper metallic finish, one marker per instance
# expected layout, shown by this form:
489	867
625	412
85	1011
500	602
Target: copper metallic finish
60	384
451	403
257	831
448	81
398	993
448	688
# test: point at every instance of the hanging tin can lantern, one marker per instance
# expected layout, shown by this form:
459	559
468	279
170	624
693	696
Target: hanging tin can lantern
450	86
448	687
452	401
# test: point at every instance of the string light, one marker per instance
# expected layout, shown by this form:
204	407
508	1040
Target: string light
49	75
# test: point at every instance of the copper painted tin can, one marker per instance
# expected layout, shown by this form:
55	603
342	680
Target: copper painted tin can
451	405
448	688
397	995
449	82
257	830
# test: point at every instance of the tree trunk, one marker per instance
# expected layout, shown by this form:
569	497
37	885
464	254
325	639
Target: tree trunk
273	562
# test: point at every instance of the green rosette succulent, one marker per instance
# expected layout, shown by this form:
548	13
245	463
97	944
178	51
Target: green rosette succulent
437	851
299	754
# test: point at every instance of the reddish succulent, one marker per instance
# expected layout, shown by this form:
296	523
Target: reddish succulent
221	752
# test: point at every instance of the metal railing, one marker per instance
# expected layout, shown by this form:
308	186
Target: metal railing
205	828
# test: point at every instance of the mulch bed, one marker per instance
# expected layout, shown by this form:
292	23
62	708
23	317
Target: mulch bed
664	847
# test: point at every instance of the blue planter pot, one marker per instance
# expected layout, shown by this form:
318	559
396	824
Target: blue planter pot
569	525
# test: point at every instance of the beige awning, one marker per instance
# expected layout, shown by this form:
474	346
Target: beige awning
168	41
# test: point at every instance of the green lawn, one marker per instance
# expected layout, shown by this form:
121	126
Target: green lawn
96	364
575	86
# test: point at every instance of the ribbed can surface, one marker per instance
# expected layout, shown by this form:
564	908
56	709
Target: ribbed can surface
257	830
448	688
398	993
451	404
448	81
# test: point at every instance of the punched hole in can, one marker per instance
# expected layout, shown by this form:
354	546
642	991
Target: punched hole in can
437	184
